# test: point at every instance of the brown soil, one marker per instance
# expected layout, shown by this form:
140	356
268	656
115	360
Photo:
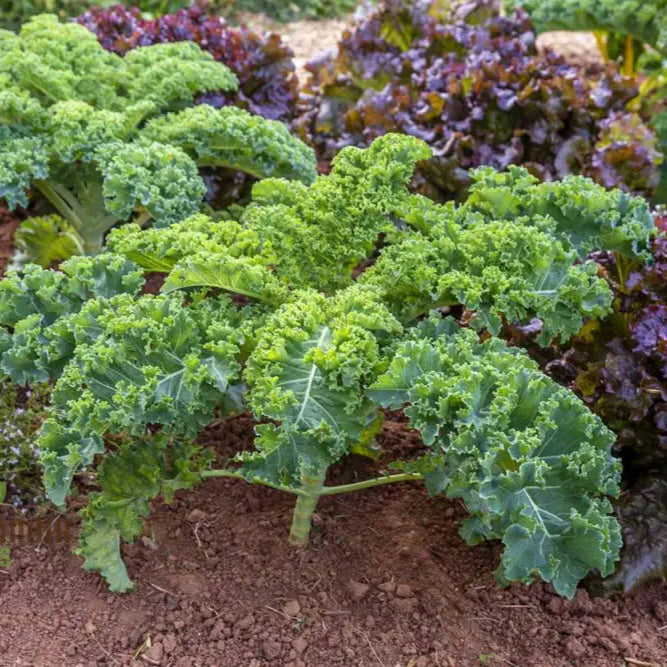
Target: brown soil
9	221
386	581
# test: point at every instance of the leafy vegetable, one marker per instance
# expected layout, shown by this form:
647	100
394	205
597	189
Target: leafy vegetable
263	312
471	84
501	438
262	63
103	137
619	367
642	19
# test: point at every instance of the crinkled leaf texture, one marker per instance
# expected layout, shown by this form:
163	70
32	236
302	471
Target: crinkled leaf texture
308	372
233	138
531	463
130	478
497	269
310	236
43	309
577	211
103	138
152	362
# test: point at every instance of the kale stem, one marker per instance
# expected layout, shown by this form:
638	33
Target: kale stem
312	486
370	483
601	39
629	56
63	201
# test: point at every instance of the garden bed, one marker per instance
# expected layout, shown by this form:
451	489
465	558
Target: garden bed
217	584
385	580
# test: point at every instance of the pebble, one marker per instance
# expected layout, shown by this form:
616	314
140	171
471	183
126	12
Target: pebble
357	590
300	645
292	608
196	515
404	591
271	649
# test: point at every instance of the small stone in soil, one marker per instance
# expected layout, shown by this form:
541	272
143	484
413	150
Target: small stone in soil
404	591
357	590
292	608
271	649
300	644
196	515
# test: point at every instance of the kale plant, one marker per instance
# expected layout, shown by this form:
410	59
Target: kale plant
262	63
618	366
105	138
270	310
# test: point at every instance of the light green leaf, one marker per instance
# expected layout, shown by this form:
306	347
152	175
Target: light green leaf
45	240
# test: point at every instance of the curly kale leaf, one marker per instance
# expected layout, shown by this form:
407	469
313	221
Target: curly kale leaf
158	178
152	362
262	62
172	75
22	160
498	270
579	212
531	463
320	234
310	236
130	478
307	372
233	138
160	250
36	304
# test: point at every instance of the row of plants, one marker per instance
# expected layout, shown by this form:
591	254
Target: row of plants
471	84
13	13
155	146
262	313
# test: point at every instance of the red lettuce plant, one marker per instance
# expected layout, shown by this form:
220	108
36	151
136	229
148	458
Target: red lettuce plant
471	84
262	62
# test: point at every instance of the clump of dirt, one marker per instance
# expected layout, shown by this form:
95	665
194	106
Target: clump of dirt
386	580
